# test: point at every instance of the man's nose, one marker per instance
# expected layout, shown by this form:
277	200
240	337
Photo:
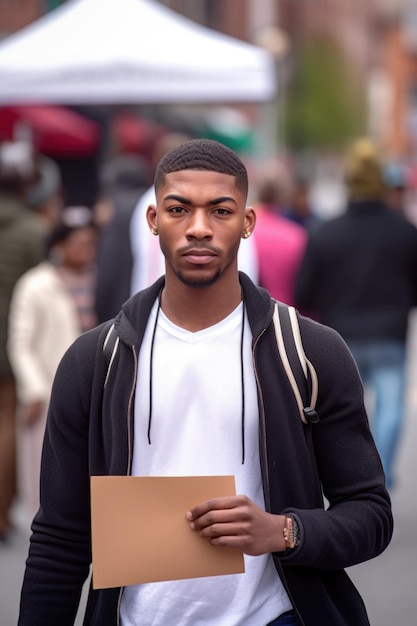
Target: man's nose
199	226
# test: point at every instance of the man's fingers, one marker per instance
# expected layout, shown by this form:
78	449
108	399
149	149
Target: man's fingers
235	518
216	504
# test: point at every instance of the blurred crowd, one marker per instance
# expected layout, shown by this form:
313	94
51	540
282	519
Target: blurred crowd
65	269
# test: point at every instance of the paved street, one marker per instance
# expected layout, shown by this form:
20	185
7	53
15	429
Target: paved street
386	583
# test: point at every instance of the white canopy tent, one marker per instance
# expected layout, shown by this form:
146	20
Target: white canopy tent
129	51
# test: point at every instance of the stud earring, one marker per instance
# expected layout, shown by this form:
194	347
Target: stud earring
247	234
154	231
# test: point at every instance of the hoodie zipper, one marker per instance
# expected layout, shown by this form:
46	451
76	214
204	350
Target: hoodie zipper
130	447
129	412
264	464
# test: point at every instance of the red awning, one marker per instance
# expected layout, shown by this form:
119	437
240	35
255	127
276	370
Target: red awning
56	131
134	134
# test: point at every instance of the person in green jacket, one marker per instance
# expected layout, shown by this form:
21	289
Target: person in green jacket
22	245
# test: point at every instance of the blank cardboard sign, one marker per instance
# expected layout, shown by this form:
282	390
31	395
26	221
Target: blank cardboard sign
140	533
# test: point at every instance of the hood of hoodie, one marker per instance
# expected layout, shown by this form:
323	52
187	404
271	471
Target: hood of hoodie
130	323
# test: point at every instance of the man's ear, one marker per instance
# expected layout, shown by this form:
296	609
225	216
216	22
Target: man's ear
151	219
249	222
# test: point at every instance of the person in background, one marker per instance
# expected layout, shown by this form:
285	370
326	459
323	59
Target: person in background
279	242
359	276
22	245
73	251
196	387
45	197
50	306
396	181
299	208
124	179
148	260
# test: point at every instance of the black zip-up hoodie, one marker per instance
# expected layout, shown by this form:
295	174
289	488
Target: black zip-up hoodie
90	432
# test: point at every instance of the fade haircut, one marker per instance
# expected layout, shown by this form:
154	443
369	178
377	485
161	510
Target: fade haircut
203	154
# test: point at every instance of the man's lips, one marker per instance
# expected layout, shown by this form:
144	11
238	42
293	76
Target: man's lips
199	257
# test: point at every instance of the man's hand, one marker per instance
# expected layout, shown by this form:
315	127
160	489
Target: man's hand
237	522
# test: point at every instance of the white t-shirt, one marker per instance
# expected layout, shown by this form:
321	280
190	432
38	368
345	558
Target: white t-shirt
196	429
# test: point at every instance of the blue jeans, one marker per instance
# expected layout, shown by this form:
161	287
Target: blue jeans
381	365
287	619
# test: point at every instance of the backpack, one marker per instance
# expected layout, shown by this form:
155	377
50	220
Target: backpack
300	371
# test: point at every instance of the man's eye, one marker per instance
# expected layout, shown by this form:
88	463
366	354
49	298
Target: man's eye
221	211
176	209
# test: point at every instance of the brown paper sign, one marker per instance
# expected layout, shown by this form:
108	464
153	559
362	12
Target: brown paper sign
140	533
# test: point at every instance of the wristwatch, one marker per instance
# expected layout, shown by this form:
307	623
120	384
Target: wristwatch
291	532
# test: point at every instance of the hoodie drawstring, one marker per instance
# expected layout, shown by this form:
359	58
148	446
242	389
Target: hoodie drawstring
242	377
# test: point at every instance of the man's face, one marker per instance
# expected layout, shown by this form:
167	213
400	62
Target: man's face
200	218
79	248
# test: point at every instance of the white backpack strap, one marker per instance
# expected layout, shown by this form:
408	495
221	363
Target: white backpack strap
307	413
305	363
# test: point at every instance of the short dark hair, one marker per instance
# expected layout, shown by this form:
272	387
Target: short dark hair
72	219
203	154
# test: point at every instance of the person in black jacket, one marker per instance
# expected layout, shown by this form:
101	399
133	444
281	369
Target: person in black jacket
359	276
124	179
195	386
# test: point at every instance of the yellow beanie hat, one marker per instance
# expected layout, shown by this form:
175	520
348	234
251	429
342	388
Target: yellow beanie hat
364	173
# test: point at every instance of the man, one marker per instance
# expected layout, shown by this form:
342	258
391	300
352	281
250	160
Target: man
148	262
124	179
359	276
196	387
22	245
